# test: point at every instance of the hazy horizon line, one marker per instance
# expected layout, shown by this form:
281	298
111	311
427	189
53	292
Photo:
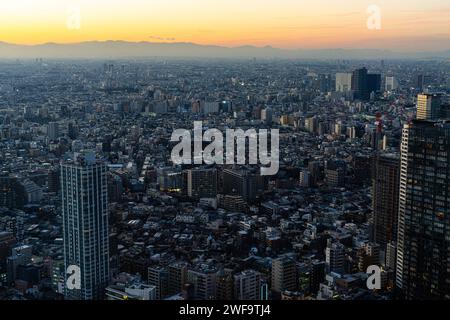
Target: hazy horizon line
267	46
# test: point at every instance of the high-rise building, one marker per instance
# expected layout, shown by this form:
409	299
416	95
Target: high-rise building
85	224
243	183
72	131
305	179
210	107
334	257
317	275
311	124
201	183
7	241
225	285
372	253
12	193
335	173
177	277
15	225
53	182
247	285
359	84
391	255
325	82
33	193
159	277
115	188
169	179
428	106
421	81
339	128
203	280
373	83
20	256
385	188
423	260
53	130
362	168
315	172
391	83
445	111
351	132
343	82
266	115
28	112
284	274
363	84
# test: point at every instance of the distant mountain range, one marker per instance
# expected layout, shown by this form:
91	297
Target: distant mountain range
124	49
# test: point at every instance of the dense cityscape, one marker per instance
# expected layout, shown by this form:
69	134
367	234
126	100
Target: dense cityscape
87	183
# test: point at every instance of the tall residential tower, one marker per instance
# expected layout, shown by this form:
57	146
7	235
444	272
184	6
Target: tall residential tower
85	224
428	106
423	260
385	198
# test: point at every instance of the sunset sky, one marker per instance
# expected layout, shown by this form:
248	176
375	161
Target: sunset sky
405	25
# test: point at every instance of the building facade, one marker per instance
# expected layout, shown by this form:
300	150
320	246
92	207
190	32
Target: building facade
85	224
385	198
423	262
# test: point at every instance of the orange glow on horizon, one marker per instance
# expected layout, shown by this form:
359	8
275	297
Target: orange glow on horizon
282	23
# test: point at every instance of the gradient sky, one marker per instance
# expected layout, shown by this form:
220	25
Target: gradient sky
405	24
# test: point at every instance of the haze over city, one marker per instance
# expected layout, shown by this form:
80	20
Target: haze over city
227	157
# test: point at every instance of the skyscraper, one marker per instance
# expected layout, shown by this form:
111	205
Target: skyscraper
428	106
423	261
385	198
374	83
343	82
85	224
359	84
363	84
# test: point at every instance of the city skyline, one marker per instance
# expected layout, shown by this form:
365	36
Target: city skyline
287	25
240	152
